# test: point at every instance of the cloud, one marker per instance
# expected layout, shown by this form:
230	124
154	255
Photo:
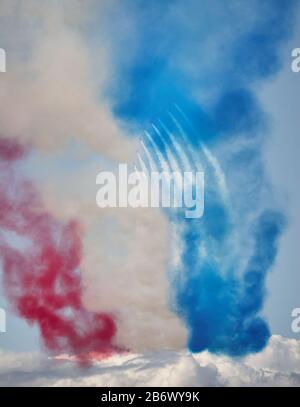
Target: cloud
222	293
277	365
51	92
125	257
68	80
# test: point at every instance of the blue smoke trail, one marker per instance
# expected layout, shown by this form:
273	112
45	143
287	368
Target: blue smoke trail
225	255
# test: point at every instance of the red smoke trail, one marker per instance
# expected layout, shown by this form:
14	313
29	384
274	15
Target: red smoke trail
41	276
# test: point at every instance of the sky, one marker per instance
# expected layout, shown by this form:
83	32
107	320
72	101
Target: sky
281	100
212	296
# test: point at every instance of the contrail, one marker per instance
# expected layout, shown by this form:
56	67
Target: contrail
151	162
173	163
161	160
190	151
179	150
220	175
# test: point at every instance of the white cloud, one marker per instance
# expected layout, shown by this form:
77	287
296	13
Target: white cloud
277	365
51	92
125	261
